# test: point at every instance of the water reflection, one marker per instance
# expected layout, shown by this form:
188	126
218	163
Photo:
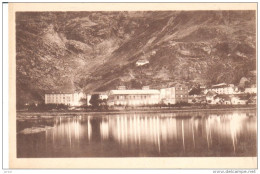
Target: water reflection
181	134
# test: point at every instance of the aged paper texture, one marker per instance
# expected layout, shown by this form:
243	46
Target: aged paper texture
115	162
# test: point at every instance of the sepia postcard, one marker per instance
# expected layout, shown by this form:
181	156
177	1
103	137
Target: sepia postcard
133	85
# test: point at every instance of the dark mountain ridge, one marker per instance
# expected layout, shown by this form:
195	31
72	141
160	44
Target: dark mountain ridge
94	51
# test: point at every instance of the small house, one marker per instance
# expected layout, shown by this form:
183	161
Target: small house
236	100
142	62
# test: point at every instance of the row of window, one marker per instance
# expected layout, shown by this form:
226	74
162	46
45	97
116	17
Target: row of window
57	102
52	95
135	102
59	98
141	97
229	88
181	88
182	96
222	89
134	97
50	100
56	97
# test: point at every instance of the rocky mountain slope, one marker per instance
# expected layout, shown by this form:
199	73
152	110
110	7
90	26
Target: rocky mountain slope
96	51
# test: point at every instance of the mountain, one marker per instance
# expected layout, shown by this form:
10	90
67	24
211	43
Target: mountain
96	51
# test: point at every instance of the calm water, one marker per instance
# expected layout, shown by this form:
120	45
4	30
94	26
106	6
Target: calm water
187	134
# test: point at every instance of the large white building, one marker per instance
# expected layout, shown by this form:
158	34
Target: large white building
135	97
67	98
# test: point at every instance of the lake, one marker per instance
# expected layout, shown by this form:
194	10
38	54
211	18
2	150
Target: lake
181	134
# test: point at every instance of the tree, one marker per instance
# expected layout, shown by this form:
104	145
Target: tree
95	101
195	91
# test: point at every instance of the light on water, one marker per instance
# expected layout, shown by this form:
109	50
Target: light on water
117	135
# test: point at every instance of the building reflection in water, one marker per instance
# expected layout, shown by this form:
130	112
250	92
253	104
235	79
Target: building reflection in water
163	132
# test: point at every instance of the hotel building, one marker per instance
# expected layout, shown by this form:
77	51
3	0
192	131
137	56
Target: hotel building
136	97
66	98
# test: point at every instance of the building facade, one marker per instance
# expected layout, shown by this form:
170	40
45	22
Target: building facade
182	93
88	97
66	98
142	62
139	97
251	90
235	100
167	95
223	88
174	95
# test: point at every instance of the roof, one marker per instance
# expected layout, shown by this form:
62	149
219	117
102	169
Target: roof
211	93
137	91
218	85
142	61
242	98
60	92
223	96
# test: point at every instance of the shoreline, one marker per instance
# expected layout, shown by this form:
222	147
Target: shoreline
168	110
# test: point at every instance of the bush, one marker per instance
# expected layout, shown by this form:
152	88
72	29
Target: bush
179	104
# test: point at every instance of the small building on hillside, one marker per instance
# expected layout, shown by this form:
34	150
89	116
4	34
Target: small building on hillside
142	62
64	97
133	97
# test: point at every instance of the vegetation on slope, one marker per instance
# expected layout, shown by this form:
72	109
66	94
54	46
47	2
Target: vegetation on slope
97	50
